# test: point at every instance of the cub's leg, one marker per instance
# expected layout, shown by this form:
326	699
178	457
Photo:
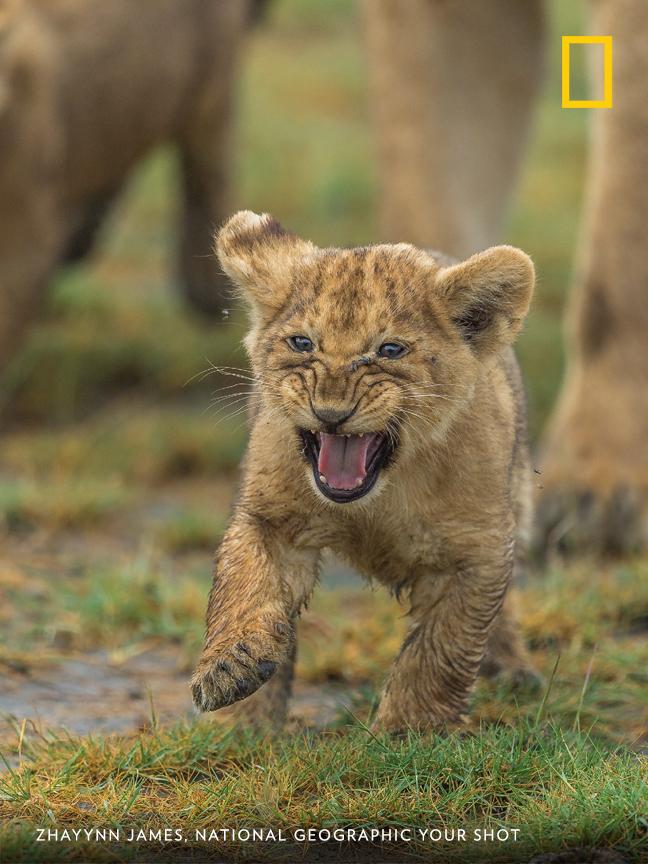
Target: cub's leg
258	591
430	682
506	654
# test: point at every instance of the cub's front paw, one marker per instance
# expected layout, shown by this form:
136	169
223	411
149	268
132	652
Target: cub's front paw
227	673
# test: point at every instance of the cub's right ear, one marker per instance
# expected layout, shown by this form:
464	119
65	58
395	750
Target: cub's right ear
260	257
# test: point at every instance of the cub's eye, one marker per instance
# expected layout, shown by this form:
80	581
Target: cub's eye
300	343
392	350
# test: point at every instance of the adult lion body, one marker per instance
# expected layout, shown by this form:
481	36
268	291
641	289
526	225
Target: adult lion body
87	88
389	427
453	87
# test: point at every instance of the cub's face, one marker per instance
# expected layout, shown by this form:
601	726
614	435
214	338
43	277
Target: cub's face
369	353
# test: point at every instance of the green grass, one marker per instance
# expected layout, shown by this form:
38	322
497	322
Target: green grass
559	789
138	445
81	503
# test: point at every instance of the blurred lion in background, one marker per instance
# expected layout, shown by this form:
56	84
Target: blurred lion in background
88	88
453	86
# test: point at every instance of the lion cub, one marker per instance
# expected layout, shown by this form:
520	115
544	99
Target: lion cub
390	429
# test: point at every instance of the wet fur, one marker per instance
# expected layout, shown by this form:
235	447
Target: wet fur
447	518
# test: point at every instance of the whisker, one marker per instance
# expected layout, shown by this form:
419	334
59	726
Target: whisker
233	371
422	396
231	415
215	406
227	387
236	395
233	400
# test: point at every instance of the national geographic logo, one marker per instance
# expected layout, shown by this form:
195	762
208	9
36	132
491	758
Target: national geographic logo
606	42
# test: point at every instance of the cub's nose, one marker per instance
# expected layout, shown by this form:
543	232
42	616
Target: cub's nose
331	417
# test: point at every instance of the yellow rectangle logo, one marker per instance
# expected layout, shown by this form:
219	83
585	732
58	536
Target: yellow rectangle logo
606	42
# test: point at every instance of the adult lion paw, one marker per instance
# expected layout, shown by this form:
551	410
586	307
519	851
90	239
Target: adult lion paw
227	673
516	676
521	679
568	521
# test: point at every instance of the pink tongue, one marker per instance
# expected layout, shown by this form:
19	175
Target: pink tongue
342	460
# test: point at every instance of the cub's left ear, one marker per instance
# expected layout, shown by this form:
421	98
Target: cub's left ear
488	295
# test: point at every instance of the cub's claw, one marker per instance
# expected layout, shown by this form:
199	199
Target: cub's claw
224	677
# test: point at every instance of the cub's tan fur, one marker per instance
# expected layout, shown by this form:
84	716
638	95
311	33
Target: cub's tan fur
87	88
442	525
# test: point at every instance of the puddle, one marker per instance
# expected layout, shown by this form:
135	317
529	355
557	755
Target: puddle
89	694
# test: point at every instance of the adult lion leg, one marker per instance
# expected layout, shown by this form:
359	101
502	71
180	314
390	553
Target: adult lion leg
30	175
25	267
85	227
432	677
30	244
257	593
595	465
453	87
206	164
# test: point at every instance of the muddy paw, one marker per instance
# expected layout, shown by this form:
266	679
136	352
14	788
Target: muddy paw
225	675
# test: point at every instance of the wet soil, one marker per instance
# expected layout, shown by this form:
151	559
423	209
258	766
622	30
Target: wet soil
94	694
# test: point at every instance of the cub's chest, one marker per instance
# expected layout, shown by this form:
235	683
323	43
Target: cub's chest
388	551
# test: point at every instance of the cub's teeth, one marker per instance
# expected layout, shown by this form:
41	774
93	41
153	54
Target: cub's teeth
362	434
322	478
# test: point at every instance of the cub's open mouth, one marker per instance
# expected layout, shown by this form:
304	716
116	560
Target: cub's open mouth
346	467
